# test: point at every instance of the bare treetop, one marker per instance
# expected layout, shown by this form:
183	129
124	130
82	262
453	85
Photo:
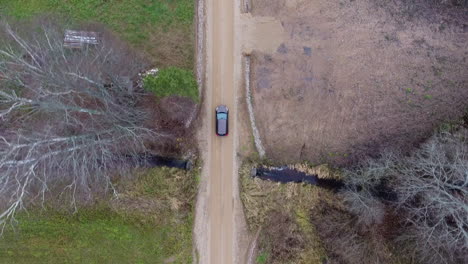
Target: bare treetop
67	117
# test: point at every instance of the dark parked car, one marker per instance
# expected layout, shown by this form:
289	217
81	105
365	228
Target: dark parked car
222	120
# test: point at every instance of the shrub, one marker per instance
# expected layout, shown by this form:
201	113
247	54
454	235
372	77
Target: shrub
172	81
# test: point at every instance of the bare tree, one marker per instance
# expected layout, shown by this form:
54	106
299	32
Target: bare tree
361	184
66	116
432	188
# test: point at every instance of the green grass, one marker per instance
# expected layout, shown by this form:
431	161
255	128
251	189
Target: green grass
262	258
141	22
150	223
172	81
132	18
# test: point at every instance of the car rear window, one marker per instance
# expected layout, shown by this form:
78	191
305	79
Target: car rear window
221	116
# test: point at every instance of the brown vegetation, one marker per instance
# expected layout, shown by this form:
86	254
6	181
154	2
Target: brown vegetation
281	212
356	77
353	80
282	238
348	240
394	209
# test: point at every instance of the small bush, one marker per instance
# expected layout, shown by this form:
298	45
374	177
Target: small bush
172	81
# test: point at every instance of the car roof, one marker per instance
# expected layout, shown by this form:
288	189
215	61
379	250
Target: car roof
222	125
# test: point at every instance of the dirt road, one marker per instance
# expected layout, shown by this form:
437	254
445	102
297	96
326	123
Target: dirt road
221	89
220	230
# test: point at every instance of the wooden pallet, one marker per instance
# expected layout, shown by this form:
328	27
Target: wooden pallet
77	39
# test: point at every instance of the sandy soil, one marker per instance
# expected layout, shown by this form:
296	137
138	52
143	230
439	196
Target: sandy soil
354	77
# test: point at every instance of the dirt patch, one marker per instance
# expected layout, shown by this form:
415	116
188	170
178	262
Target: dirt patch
355	77
260	33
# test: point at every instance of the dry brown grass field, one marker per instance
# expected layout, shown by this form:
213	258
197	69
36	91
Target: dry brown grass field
355	77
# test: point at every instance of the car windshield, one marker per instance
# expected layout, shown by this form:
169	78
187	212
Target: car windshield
221	116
